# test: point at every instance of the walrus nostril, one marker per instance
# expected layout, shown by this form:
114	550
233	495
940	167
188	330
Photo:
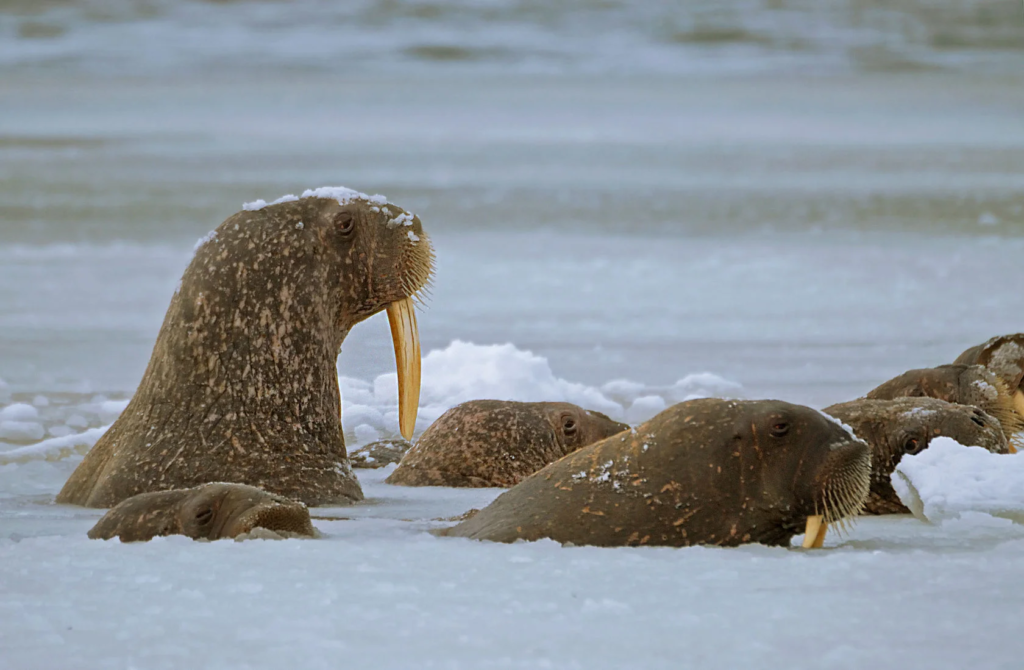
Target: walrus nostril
204	516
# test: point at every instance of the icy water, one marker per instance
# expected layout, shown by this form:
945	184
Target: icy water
788	200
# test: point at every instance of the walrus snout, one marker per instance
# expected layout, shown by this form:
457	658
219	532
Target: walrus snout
841	484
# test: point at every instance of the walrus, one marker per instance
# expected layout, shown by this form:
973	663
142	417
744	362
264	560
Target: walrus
1003	356
963	385
499	443
708	471
901	426
242	384
206	512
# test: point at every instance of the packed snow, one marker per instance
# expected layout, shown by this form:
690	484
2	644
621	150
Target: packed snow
948	480
340	193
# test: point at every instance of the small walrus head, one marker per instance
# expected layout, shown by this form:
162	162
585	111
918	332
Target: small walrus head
483	443
961	384
906	426
207	512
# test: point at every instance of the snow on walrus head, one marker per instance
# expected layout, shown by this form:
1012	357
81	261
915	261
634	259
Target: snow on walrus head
906	426
242	384
706	471
207	512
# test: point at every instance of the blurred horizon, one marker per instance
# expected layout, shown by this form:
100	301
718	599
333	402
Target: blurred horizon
570	37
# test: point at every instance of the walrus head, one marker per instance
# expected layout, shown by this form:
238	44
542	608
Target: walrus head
207	512
906	426
964	385
342	229
811	470
483	443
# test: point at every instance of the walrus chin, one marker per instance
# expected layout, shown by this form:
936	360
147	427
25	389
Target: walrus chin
845	480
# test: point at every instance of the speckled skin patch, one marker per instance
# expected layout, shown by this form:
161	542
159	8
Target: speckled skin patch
380	453
893	428
1002	355
961	384
242	385
207	512
484	443
706	471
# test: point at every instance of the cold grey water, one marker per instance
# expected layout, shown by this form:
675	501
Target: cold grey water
801	199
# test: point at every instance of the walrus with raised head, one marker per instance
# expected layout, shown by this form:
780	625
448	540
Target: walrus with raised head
242	385
1003	356
499	442
207	512
707	471
905	426
961	384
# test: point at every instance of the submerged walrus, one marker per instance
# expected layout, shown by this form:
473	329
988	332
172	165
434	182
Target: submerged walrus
499	442
705	471
1003	356
960	384
242	385
207	512
901	426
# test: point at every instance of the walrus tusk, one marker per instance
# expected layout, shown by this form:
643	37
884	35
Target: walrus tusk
406	337
814	536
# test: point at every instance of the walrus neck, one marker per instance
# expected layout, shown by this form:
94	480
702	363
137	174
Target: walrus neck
226	364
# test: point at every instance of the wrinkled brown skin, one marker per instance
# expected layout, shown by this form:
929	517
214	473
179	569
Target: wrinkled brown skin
207	512
242	385
961	384
1003	356
380	453
701	472
901	426
499	443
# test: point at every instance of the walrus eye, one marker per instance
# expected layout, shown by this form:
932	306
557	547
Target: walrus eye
913	446
345	222
779	429
569	426
204	516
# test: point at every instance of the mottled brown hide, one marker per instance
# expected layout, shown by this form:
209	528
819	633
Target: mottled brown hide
242	385
701	472
1002	355
380	453
499	443
961	384
207	512
901	426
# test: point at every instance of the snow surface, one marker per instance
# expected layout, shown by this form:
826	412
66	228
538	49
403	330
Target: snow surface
377	591
947	480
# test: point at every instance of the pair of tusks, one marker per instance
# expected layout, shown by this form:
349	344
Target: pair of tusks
406	337
814	536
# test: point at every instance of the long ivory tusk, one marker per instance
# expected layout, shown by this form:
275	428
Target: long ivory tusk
406	337
814	536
